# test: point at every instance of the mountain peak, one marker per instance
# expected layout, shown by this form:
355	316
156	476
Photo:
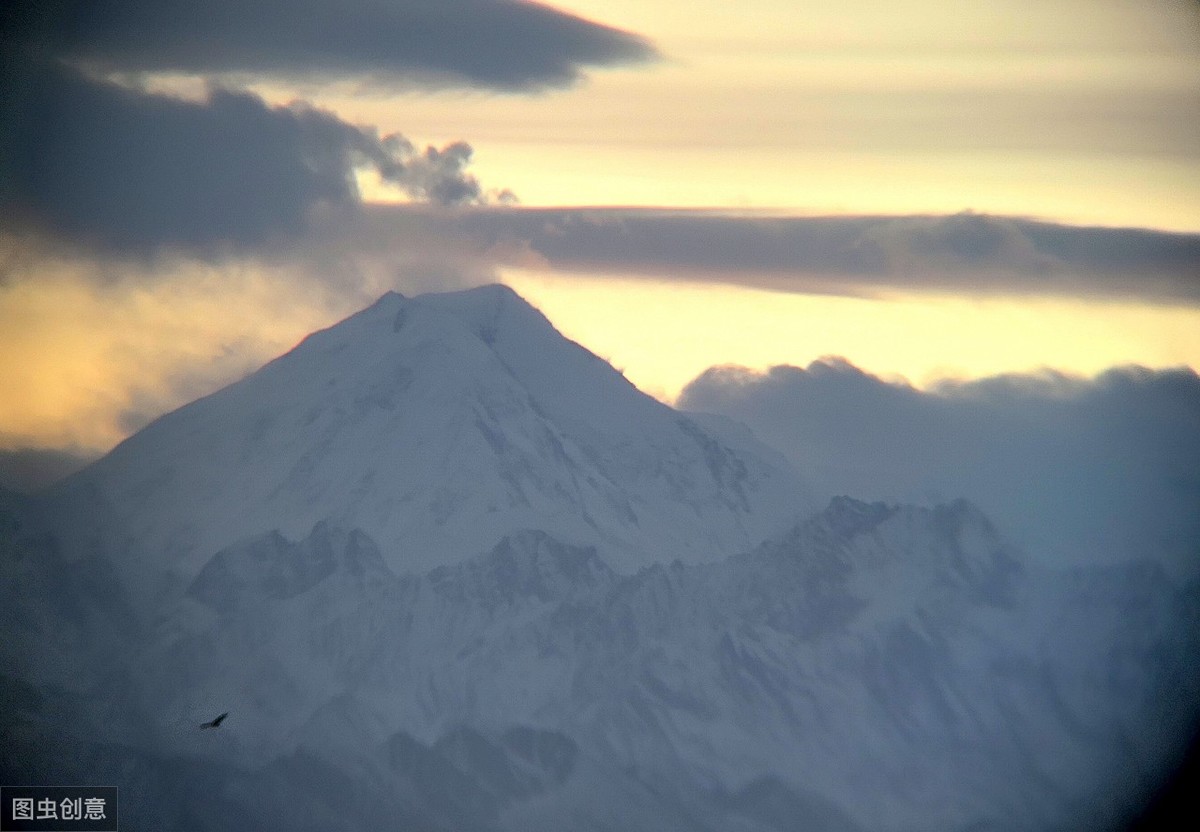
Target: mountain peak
478	302
479	309
485	309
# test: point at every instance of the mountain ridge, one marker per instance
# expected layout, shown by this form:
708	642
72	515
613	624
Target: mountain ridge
798	674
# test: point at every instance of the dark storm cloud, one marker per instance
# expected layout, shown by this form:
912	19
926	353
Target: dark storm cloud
1102	469
855	255
494	44
100	163
112	167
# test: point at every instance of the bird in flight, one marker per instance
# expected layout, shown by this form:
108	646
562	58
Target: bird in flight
216	723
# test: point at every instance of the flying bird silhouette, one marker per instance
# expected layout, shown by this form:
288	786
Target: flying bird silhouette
216	723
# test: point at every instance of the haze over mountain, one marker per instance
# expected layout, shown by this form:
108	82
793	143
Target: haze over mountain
445	569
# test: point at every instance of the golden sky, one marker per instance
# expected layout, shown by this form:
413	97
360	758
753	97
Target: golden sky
1069	111
1079	112
663	336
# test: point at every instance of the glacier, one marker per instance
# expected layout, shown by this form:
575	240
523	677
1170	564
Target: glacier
448	570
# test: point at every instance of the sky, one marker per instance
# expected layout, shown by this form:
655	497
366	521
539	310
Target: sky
935	193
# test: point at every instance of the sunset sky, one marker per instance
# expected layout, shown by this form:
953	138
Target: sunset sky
931	190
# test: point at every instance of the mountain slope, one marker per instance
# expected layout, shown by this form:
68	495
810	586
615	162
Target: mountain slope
438	425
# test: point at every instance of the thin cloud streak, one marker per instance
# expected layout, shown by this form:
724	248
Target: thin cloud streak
967	253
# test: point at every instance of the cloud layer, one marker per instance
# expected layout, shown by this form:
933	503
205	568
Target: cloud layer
493	44
860	255
101	163
113	167
1075	469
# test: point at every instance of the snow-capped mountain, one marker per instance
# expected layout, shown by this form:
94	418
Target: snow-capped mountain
877	667
448	571
438	425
